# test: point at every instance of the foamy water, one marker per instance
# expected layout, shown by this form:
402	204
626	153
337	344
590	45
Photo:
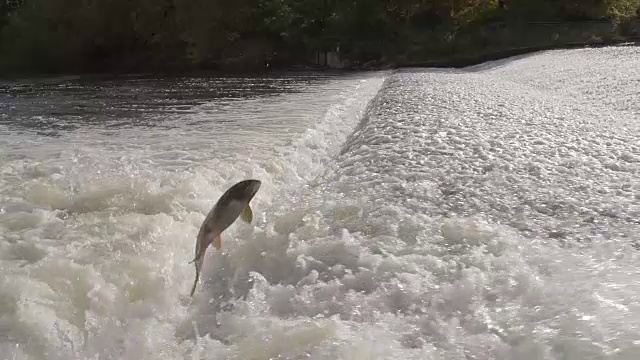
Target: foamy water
489	213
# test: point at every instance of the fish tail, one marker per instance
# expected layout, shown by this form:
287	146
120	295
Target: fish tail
199	261
199	258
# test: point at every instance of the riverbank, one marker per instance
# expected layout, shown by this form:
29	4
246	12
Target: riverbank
455	60
52	37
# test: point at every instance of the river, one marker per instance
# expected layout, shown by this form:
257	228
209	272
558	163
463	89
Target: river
491	212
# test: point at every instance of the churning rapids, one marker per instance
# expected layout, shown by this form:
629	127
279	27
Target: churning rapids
485	213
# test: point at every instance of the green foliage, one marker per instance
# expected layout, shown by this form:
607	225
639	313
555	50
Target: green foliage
623	8
79	35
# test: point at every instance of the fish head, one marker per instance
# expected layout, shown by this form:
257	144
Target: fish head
246	189
232	203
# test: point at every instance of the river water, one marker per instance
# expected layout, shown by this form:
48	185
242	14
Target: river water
491	212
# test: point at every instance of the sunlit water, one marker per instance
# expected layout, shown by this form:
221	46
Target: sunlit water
486	213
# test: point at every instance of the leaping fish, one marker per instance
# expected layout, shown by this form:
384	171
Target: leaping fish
233	203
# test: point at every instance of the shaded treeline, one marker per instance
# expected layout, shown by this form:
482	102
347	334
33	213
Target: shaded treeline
95	35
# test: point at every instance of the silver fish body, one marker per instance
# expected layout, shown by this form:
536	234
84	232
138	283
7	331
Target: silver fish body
232	204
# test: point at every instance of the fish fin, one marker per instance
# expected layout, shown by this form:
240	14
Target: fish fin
217	242
247	214
196	258
199	252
